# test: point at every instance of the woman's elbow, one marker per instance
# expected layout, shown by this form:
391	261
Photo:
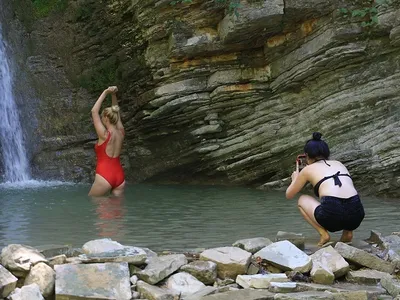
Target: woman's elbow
289	195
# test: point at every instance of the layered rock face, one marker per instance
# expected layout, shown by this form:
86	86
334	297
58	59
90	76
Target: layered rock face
213	97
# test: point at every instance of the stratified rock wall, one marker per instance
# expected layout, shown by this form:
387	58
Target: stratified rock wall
213	97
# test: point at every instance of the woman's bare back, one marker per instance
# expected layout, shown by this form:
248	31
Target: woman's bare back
114	145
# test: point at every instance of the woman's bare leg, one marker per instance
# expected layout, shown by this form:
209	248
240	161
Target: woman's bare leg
100	187
347	236
119	190
307	206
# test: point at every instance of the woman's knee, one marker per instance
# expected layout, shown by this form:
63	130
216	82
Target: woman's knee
303	200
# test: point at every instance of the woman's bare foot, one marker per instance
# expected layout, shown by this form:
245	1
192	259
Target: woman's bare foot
325	237
347	236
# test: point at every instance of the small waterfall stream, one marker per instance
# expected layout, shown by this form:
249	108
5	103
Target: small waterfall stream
16	167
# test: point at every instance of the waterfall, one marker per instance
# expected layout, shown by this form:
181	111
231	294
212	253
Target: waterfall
16	168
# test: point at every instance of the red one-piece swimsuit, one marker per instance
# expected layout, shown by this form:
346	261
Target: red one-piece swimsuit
109	168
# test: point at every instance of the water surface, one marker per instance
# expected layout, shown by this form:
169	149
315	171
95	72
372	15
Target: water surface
163	217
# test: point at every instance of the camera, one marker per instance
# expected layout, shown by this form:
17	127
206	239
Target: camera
301	160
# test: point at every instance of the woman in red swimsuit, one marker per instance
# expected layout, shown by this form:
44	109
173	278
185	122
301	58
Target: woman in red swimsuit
109	173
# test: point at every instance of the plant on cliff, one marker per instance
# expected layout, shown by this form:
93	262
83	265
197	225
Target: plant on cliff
368	13
43	8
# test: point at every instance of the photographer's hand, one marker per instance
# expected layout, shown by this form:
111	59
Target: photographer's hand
296	172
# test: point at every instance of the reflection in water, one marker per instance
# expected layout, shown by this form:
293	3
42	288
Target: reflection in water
165	217
110	211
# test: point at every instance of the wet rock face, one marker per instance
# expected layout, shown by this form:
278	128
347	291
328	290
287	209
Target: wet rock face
213	97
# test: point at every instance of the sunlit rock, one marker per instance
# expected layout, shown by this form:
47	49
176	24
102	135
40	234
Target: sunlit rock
183	283
260	281
44	277
328	259
231	261
161	267
19	258
286	256
28	292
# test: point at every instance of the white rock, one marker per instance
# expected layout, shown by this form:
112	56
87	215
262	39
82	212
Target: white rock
20	258
286	256
331	260
44	277
8	282
231	261
28	292
259	281
185	284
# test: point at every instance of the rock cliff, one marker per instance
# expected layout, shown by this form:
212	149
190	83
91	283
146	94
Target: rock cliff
209	96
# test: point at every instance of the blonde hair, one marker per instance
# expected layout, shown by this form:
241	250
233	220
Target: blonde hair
112	113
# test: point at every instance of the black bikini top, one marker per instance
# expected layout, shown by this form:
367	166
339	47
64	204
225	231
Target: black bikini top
334	176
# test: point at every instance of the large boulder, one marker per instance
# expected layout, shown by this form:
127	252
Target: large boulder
103	281
19	258
231	261
44	277
328	264
363	258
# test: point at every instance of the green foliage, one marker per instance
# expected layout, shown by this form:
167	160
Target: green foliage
231	5
43	8
100	77
368	14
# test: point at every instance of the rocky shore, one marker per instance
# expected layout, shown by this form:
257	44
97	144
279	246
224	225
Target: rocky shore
250	269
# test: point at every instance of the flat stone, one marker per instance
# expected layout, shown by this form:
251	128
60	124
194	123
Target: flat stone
353	295
161	267
208	290
28	292
252	245
366	276
391	285
101	246
8	282
87	281
286	256
259	281
231	261
184	284
58	260
54	250
245	294
282	287
152	292
363	258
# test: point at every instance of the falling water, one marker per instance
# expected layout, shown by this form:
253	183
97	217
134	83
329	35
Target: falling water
14	157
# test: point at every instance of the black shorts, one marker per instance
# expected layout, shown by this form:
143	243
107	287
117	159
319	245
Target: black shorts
335	214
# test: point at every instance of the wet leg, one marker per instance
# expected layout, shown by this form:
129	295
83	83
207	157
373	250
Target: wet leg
307	206
119	190
100	187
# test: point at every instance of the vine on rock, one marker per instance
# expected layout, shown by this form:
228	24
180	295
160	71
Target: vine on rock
368	13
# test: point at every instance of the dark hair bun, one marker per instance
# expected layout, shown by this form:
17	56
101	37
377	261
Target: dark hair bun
316	136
